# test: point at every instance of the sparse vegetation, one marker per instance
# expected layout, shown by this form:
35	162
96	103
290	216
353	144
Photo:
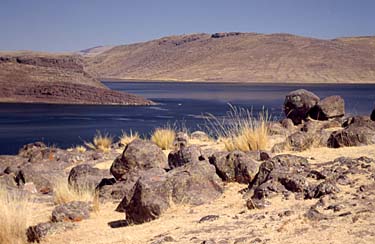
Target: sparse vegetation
63	193
240	130
101	142
80	149
163	137
126	138
14	215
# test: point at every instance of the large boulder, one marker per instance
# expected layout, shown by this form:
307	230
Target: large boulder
151	197
184	155
195	183
84	177
234	166
358	131
138	155
373	115
352	136
298	103
329	107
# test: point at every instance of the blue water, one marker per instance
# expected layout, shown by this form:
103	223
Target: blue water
180	104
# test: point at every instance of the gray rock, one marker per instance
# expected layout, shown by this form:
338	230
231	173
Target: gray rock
184	155
71	212
28	174
38	232
84	176
329	107
181	140
151	197
138	155
298	103
235	166
195	183
300	141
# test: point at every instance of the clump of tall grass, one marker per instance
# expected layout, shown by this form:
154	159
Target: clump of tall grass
126	138
14	215
101	142
240	130
163	137
80	149
64	193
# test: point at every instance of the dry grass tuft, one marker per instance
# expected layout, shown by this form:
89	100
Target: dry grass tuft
101	142
14	215
63	193
164	137
80	149
126	138
240	130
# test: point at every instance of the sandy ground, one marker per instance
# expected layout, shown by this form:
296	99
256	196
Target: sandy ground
283	221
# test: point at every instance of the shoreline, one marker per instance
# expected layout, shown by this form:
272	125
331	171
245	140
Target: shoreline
284	83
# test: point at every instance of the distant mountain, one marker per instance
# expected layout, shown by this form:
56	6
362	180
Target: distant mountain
244	57
31	77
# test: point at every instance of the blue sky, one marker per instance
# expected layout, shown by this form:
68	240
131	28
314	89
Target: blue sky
68	25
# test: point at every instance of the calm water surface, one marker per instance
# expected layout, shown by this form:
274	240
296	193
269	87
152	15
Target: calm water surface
179	103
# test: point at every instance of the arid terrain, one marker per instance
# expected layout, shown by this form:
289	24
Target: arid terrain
241	57
31	77
308	178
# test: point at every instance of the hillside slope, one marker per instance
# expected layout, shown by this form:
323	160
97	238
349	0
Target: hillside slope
246	57
54	78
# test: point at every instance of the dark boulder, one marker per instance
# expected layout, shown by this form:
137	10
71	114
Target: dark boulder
84	177
329	107
184	155
151	197
298	103
355	136
373	115
235	166
71	212
138	155
279	167
195	183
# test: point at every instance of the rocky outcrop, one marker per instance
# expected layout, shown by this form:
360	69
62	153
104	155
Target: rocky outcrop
298	103
28	77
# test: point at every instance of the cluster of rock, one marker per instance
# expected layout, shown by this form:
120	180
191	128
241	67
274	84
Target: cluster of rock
36	166
313	122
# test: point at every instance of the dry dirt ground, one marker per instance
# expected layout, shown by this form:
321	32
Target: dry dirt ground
283	221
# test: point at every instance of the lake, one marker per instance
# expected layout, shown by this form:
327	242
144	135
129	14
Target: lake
179	104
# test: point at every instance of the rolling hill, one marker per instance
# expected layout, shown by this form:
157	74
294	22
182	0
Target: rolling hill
243	57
